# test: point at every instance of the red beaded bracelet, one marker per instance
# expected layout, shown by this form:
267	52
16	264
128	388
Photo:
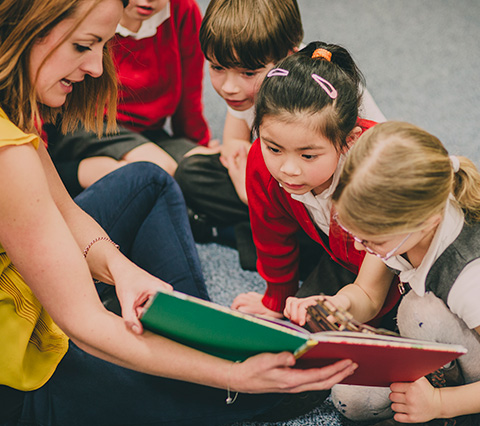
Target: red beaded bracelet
89	246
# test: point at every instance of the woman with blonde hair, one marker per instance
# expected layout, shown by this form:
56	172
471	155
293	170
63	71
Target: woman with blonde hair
54	59
406	201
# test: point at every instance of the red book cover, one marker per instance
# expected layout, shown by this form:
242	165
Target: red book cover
381	360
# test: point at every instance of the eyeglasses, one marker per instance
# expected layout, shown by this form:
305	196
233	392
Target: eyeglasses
364	242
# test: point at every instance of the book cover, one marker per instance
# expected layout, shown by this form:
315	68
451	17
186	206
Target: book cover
235	336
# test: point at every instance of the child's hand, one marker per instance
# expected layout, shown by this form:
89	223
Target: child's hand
212	148
231	146
214	143
296	308
415	402
251	303
236	165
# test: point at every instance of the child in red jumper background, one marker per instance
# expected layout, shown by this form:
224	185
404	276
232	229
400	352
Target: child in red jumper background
159	64
306	116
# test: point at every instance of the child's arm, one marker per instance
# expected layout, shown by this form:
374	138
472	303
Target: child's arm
234	151
237	167
363	299
274	234
236	135
367	294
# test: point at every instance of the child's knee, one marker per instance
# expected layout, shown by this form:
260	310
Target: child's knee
197	172
143	174
359	403
187	170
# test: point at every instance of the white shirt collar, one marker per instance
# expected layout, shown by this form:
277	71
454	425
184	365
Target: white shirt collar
148	27
447	231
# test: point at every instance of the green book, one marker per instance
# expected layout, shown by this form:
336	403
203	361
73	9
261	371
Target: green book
233	335
219	330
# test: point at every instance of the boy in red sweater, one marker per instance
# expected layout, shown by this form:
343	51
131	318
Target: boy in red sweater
160	68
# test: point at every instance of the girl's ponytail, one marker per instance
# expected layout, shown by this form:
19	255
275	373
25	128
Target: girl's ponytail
321	81
466	189
340	57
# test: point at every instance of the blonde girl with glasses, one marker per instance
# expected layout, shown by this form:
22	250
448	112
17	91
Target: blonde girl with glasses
404	198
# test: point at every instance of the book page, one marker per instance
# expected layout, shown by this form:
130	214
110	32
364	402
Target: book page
380	339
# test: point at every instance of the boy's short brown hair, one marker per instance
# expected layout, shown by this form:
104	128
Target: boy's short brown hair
250	33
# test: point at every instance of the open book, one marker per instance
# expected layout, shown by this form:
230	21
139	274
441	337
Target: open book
233	335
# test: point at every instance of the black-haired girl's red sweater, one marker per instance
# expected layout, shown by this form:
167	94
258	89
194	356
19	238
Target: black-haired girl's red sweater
275	219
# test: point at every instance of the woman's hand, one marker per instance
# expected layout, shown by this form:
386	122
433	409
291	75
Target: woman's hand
251	303
296	308
415	402
134	288
274	373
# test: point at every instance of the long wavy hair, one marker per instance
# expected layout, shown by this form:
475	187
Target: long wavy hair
24	23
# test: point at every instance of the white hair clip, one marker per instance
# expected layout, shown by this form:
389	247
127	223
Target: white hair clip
326	85
277	72
455	163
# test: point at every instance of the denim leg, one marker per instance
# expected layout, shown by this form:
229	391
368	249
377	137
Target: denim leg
142	209
208	190
85	390
11	402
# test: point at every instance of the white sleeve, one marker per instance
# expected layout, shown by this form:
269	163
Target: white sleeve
248	115
369	109
464	296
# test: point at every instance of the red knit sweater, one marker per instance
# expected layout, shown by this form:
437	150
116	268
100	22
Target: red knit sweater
275	219
161	76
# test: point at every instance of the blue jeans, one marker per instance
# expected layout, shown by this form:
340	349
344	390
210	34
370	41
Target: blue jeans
141	208
88	391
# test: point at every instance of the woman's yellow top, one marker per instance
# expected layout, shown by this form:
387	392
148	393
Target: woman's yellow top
31	344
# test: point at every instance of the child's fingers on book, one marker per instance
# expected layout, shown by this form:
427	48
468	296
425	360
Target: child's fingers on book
296	308
251	303
332	319
244	299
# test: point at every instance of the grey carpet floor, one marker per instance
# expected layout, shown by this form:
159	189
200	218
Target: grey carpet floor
421	60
